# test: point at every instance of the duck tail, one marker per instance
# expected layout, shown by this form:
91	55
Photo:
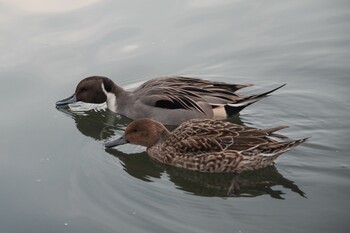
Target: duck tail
271	153
274	129
234	108
291	144
271	131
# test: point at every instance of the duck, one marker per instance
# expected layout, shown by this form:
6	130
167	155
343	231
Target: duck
207	145
169	100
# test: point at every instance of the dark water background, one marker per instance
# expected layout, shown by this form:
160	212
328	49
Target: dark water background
56	176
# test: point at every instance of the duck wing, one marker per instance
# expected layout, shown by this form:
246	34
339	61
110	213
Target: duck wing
215	94
169	98
206	135
196	85
199	90
213	135
214	128
199	145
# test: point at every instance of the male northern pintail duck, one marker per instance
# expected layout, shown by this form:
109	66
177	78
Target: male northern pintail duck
207	145
170	100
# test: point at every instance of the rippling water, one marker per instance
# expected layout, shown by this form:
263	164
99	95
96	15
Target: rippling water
55	174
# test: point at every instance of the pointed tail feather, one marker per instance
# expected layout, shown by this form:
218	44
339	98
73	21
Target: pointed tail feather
235	108
271	131
262	95
292	144
274	129
271	153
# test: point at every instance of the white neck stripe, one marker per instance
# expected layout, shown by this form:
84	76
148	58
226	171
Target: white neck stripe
111	99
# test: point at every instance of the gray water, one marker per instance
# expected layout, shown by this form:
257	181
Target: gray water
55	174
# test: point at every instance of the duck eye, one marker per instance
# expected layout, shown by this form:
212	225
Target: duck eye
83	89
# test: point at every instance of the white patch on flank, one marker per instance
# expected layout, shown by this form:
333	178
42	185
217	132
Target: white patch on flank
219	112
111	99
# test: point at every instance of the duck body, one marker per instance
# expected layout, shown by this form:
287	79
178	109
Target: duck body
170	100
207	145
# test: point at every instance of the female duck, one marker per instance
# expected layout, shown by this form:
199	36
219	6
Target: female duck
170	100
206	145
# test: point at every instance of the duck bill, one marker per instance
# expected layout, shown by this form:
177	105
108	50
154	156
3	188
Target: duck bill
118	142
69	100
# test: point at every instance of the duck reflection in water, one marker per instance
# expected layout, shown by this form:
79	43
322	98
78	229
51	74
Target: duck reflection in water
265	181
101	125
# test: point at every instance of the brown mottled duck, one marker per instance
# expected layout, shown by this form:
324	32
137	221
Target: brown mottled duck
206	145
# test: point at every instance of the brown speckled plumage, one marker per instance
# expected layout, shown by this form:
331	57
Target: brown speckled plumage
206	145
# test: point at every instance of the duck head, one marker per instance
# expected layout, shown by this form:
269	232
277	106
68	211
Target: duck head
92	89
143	132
